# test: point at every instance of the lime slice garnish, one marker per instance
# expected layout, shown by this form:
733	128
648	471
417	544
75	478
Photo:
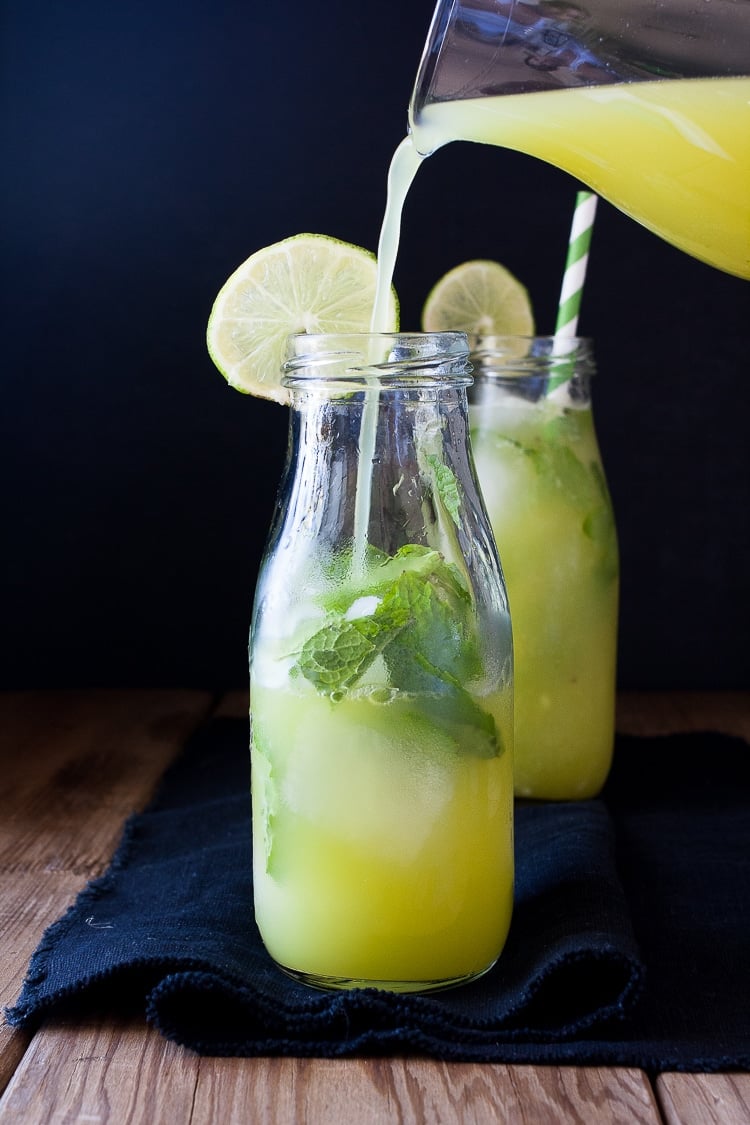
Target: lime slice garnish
482	298
307	283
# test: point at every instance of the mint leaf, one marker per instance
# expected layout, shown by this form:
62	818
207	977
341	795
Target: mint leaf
437	643
381	572
335	657
473	729
570	475
423	626
599	526
447	487
429	598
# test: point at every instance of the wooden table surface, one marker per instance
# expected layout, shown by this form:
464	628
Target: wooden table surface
73	766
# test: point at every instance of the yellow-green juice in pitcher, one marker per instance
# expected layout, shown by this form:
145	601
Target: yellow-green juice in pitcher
675	155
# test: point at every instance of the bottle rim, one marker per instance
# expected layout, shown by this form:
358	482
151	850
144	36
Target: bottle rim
517	356
385	359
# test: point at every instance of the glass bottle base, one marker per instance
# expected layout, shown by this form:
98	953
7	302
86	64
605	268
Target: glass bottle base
334	984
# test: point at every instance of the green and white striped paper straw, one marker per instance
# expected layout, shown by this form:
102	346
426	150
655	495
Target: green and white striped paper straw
572	286
575	266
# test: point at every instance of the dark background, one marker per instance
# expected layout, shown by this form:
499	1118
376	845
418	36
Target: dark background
148	148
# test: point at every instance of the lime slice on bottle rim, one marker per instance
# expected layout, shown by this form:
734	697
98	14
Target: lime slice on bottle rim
306	283
482	298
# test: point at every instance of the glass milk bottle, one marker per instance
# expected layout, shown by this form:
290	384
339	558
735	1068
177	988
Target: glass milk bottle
381	678
541	475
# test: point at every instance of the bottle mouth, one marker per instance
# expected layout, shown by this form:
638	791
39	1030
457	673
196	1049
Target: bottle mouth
381	359
516	356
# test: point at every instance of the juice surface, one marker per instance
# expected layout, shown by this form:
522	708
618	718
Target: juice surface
675	155
549	508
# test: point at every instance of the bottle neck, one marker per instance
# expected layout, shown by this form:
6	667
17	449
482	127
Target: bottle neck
533	368
338	366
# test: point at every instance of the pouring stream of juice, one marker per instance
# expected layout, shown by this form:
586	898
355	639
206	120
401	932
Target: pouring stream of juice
404	166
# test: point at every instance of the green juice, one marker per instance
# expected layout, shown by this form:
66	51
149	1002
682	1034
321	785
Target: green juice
539	466
382	782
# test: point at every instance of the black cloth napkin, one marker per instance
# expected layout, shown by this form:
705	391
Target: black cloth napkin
629	943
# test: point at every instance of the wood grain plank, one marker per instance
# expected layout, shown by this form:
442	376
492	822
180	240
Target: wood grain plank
101	1073
13	1045
705	1099
607	1096
667	712
373	1091
28	904
73	766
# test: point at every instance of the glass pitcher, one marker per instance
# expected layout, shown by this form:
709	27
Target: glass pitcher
645	101
381	679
